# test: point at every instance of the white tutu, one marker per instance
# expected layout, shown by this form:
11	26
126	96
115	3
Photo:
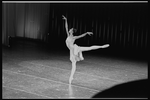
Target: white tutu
75	56
76	49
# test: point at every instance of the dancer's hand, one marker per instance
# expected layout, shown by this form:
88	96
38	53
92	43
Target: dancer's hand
64	17
89	33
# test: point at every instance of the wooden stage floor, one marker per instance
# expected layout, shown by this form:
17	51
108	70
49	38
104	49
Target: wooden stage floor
33	74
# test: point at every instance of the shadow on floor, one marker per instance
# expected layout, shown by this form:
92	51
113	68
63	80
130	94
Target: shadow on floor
134	89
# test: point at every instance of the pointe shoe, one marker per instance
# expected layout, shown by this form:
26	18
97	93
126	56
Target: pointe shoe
105	46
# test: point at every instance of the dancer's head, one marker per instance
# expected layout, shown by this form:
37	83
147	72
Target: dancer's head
72	30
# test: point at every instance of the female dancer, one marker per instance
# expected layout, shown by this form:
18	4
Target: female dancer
75	50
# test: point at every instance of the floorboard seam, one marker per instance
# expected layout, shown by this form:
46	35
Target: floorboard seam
27	92
78	72
51	80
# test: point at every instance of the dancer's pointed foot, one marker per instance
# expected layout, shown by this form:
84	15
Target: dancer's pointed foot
105	46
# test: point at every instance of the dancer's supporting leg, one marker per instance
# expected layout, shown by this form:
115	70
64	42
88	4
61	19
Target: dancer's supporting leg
72	71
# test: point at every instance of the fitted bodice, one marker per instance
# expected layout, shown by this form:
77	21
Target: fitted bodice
71	46
70	42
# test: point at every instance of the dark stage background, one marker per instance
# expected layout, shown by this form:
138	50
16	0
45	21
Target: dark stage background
123	26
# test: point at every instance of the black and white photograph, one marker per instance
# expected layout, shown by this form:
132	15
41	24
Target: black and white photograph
74	49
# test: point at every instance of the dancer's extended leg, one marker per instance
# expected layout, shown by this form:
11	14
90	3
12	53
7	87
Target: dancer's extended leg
72	71
93	47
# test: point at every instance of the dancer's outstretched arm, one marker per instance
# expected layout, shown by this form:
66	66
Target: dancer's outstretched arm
77	37
66	24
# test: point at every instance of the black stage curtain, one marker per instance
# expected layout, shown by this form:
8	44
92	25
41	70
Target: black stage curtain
24	20
120	25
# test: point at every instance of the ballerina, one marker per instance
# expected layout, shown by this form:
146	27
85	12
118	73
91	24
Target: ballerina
75	50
